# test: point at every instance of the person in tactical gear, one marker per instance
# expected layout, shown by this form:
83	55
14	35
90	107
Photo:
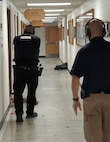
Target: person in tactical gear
26	53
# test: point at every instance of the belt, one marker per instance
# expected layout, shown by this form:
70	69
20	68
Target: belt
25	67
102	92
85	94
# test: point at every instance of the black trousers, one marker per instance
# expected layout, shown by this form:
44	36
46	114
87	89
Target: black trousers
23	76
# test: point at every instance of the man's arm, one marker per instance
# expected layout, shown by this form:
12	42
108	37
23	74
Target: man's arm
39	42
75	88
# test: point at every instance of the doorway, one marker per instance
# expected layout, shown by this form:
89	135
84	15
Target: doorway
52	40
9	50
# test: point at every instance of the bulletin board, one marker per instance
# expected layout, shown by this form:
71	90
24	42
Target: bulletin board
71	31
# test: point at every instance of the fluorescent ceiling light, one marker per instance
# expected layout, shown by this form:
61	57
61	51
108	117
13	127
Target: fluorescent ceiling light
84	17
48	4
50	17
50	20
54	10
78	20
52	14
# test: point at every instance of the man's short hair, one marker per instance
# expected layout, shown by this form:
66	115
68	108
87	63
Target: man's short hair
29	29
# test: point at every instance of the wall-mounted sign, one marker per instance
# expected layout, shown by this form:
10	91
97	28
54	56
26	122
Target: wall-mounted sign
37	23
81	21
34	14
71	31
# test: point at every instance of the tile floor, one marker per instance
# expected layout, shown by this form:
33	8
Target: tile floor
56	121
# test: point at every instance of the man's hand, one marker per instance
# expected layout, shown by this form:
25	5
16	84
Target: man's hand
76	105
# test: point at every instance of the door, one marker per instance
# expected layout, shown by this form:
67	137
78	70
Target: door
52	40
9	49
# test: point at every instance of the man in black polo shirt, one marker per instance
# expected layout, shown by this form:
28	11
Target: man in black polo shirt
26	52
92	63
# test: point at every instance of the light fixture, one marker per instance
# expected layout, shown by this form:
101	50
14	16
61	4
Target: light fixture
48	20
50	17
84	17
56	14
54	10
79	20
48	4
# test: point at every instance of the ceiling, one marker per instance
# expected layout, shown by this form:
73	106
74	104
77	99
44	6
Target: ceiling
22	6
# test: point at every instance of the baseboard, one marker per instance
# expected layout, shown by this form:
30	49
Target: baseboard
4	117
52	55
42	56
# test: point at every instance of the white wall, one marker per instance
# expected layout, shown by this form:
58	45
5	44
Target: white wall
41	33
14	11
101	11
4	66
63	44
1	71
4	78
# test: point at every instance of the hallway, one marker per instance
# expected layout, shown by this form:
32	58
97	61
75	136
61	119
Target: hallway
56	121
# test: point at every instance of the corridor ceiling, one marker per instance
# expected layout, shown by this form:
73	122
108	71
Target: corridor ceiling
22	6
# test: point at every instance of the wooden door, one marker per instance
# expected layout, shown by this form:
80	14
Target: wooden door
9	50
52	40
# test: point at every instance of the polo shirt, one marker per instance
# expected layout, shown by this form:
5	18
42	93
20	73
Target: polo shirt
92	62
